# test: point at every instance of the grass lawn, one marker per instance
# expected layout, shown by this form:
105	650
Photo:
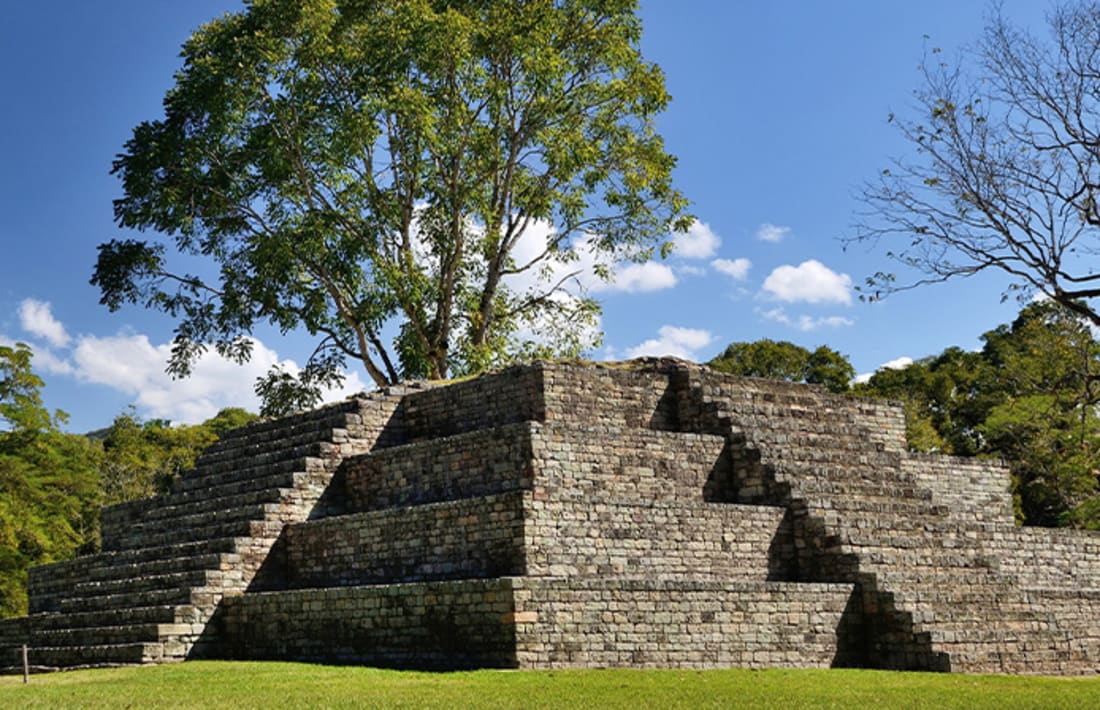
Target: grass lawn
289	685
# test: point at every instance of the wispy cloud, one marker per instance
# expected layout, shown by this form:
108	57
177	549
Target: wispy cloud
804	322
771	233
36	317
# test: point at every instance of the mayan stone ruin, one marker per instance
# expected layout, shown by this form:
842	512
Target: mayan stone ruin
648	514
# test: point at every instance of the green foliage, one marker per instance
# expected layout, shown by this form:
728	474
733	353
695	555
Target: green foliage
784	360
49	493
253	685
142	459
1029	397
20	403
52	484
365	170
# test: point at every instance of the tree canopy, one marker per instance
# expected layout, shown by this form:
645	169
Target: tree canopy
1029	396
48	485
1005	173
412	182
52	484
143	458
784	360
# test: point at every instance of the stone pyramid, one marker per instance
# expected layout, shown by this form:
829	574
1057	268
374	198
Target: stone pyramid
646	514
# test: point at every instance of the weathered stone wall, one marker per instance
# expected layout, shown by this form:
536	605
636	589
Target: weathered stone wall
460	624
705	541
652	624
470	464
604	459
1044	557
622	397
473	537
510	396
781	415
974	489
532	622
603	500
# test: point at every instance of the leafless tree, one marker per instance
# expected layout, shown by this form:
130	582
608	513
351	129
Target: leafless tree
1006	171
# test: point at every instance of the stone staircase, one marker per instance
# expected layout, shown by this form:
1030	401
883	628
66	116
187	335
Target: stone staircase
167	562
930	583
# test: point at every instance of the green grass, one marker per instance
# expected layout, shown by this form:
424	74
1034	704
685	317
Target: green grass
288	685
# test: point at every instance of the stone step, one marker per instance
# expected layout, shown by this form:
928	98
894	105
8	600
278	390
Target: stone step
118	517
124	600
237	527
919	562
231	468
1032	662
191	527
248	505
174	549
50	586
846	432
859	507
170	580
253	477
208	561
96	656
881	535
291	445
828	488
110	635
212	505
228	489
991	628
347	411
164	614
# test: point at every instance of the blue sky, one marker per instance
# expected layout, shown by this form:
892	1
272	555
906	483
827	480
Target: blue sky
778	116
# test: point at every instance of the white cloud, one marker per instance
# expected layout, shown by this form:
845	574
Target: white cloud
627	277
685	270
806	323
699	242
810	282
737	269
898	363
771	233
674	341
37	319
133	365
46	361
641	278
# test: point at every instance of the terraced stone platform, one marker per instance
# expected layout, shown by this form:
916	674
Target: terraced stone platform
650	514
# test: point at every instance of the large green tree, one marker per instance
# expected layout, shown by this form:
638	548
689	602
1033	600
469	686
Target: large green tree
366	169
783	360
1029	396
1004	173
